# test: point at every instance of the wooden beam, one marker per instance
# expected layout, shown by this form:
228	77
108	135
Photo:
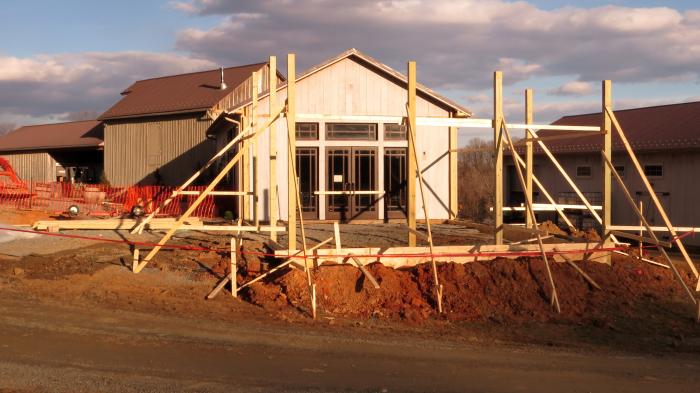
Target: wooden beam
654	228
528	156
581	272
454	167
606	126
255	164
528	201
272	193
411	161
244	168
642	239
291	154
498	156
652	193
398	257
366	272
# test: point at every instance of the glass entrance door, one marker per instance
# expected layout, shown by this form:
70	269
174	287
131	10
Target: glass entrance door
350	170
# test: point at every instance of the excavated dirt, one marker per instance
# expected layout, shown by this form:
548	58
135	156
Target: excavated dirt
502	290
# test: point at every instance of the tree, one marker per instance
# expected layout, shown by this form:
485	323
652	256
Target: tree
476	174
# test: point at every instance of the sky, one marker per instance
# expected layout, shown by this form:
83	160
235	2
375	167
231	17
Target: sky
68	60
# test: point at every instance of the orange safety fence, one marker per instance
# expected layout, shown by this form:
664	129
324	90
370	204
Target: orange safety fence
99	199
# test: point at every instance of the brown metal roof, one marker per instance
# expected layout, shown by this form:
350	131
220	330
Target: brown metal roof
88	133
674	126
193	92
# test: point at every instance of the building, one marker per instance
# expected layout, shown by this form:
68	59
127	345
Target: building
336	152
50	152
666	140
156	134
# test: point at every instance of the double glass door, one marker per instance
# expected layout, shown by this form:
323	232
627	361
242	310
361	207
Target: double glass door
351	174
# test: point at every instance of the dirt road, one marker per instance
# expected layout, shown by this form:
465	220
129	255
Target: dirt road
52	347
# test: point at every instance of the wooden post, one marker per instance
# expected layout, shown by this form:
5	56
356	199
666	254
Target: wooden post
528	156
411	162
454	178
606	128
244	171
234	266
254	147
272	194
498	156
336	234
291	156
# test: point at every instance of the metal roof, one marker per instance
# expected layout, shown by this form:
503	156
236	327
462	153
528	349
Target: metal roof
77	134
663	127
193	92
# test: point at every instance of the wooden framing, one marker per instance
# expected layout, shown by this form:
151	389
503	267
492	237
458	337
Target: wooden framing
498	157
454	178
529	165
607	156
291	154
411	159
272	193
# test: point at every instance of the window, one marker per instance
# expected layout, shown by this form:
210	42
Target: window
583	171
354	131
307	131
654	170
395	132
620	169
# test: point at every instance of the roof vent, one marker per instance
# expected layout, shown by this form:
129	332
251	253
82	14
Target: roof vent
222	85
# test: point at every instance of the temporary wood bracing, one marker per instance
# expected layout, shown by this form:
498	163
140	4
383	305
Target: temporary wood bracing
251	127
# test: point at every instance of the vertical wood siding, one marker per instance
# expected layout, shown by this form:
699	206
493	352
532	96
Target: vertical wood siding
36	166
175	145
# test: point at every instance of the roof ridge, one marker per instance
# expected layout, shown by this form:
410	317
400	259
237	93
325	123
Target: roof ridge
57	123
195	72
634	109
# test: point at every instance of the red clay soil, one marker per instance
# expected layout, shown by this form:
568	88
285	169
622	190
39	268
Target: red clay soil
501	290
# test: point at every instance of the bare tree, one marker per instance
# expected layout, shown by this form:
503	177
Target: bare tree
476	173
81	115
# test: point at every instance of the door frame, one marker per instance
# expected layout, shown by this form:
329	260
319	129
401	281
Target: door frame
350	213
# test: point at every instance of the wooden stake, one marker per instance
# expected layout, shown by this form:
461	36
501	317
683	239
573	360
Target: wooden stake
135	261
498	156
578	269
411	162
528	155
272	194
234	267
336	233
366	272
291	155
641	231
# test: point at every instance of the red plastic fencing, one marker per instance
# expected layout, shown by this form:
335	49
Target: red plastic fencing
98	199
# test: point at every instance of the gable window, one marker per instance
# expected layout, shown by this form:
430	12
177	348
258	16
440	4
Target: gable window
351	131
654	170
395	132
620	169
583	171
307	131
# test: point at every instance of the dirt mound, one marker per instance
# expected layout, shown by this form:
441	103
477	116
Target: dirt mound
500	290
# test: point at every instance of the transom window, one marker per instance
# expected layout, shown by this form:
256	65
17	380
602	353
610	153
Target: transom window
307	131
353	131
583	171
395	132
654	170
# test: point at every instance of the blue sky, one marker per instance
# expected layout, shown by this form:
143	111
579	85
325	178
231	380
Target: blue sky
85	53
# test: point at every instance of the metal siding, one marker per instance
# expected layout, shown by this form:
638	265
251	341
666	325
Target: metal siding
129	149
37	166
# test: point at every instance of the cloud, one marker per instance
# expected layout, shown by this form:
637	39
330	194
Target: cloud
55	87
573	88
458	43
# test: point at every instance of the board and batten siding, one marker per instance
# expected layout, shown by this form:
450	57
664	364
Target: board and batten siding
175	145
350	87
32	166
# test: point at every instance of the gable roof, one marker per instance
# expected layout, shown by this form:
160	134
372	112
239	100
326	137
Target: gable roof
88	133
385	69
673	126
193	92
